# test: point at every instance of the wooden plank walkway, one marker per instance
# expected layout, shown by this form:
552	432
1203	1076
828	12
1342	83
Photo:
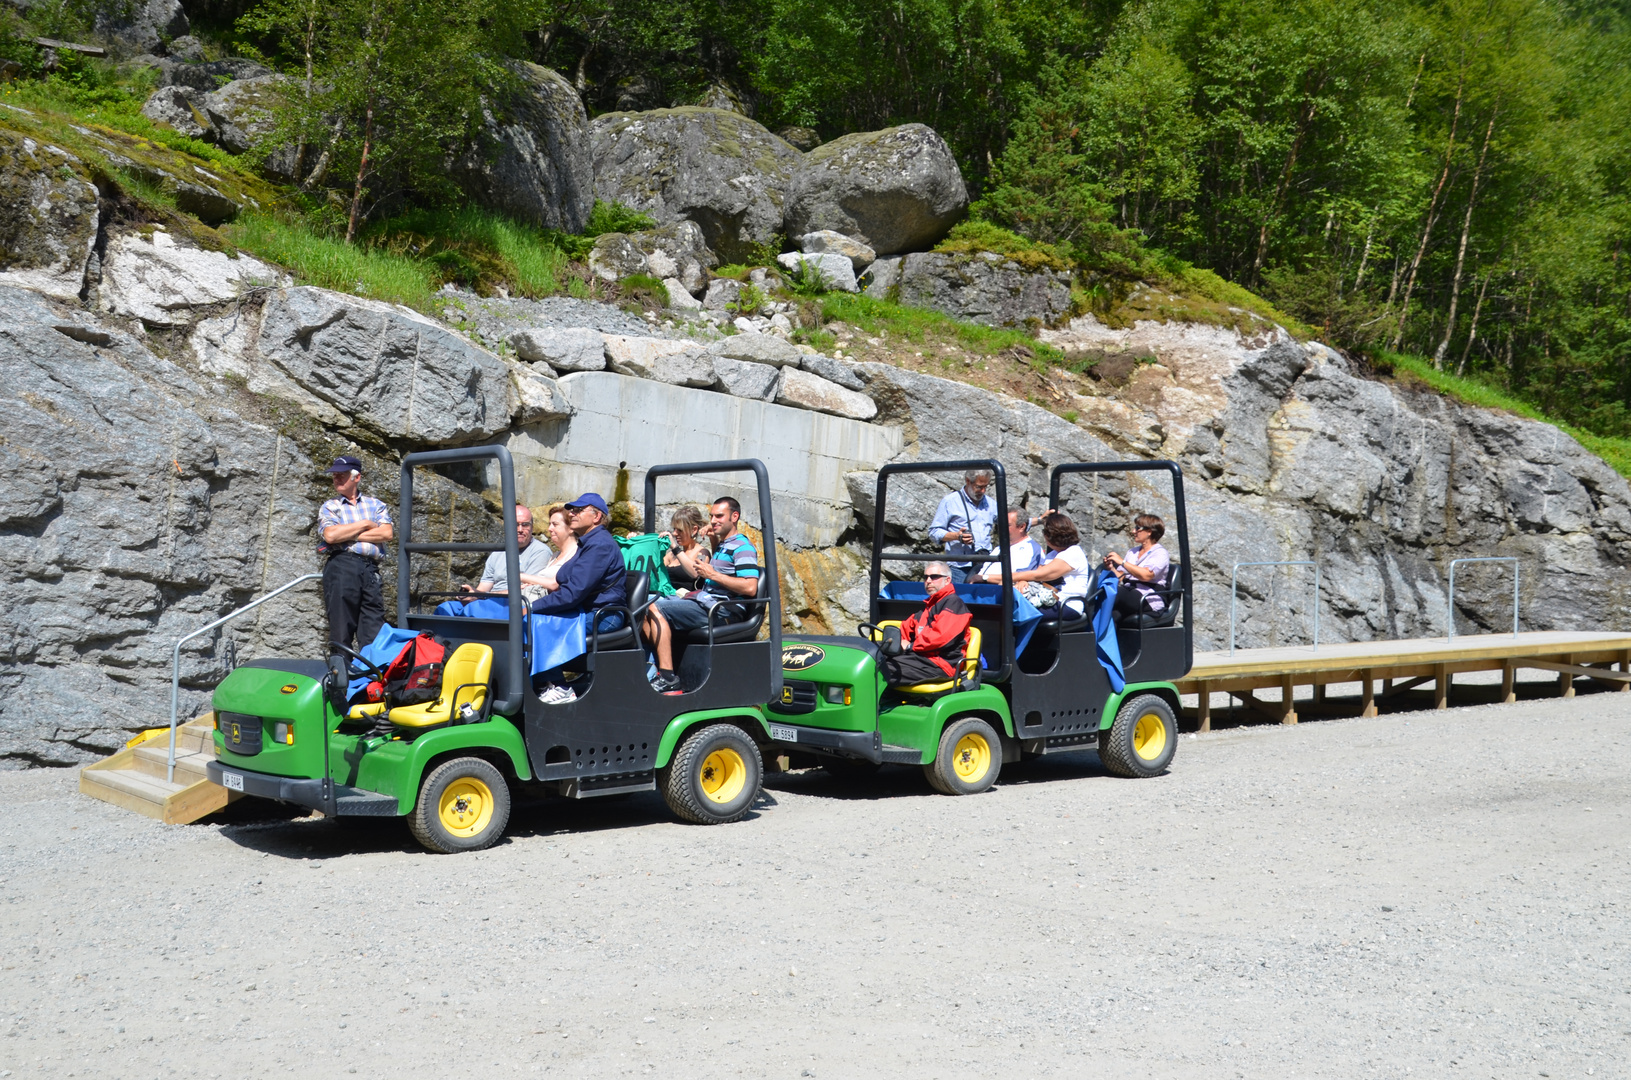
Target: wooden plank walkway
1408	663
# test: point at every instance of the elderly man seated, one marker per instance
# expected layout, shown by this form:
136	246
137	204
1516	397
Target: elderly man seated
535	556
934	637
592	579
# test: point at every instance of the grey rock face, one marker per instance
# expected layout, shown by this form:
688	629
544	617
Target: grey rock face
882	279
677	250
540	168
162	282
809	391
494	320
143	27
562	348
722	292
896	190
836	371
679	297
757	349
241	111
180	108
825	241
48	217
837	271
984	288
210	76
387	367
678	362
716	168
803	139
744	379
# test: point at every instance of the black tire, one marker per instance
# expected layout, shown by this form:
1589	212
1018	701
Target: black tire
714	776
465	790
1142	740
969	758
849	770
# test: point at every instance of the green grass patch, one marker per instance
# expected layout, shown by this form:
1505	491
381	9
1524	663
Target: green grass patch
117	108
476	248
915	324
1614	450
972	237
318	259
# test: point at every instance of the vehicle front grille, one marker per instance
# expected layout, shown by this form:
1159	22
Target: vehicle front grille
797	697
241	732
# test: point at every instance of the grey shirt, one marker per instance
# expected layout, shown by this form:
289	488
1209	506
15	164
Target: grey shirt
534	558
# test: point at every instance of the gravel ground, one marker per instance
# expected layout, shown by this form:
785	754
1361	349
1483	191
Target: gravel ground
493	320
1423	894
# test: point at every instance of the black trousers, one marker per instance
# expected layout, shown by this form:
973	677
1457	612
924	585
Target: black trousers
355	602
910	669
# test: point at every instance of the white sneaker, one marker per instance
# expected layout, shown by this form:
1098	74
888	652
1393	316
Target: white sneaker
557	695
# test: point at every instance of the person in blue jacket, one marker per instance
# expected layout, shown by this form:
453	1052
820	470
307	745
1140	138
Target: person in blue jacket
593	578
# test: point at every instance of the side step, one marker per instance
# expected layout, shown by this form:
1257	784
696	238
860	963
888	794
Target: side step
134	778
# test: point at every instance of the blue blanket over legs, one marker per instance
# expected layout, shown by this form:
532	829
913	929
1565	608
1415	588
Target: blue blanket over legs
1104	630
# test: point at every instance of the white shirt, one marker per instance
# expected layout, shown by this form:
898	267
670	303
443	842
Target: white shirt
1025	554
1080	578
534	558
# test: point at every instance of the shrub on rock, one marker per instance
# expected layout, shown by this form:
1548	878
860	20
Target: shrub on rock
896	190
716	168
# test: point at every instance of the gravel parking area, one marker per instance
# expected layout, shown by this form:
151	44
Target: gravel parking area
1423	894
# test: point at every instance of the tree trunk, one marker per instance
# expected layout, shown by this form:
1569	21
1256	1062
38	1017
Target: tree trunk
362	173
1461	252
1472	332
1364	256
1432	216
1304	120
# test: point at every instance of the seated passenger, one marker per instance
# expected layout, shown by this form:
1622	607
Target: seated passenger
1023	552
565	543
685	536
593	578
933	636
535	556
1141	570
731	570
1065	566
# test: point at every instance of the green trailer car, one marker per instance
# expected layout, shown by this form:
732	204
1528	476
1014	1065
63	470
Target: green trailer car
286	730
836	711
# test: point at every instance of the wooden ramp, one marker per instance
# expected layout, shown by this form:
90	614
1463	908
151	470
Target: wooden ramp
1403	665
134	778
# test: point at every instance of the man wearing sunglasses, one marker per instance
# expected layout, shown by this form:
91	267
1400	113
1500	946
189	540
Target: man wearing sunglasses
933	637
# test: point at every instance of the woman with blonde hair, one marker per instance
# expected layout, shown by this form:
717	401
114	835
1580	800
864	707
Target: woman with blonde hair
685	536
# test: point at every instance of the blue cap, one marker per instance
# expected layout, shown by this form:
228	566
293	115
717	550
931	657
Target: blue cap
345	463
589	499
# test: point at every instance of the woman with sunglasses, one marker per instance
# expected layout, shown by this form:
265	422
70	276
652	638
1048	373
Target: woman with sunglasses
1142	570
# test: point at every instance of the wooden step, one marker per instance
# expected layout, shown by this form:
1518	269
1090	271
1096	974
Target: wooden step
154	759
134	777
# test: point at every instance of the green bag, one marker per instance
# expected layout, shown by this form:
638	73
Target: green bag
644	551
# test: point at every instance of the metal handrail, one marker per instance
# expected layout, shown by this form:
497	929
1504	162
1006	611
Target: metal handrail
1292	562
175	662
1449	600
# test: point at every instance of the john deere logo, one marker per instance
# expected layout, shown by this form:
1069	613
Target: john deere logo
799	657
288	688
237	736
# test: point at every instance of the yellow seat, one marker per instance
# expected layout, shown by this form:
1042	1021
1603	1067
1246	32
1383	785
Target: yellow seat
464	681
366	710
971	662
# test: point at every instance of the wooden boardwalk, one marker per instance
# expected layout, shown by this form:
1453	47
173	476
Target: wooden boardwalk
1403	665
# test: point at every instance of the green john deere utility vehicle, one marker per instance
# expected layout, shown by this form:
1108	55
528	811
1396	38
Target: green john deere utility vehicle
1054	696
289	730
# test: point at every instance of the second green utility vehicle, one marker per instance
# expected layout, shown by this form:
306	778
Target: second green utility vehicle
1052	695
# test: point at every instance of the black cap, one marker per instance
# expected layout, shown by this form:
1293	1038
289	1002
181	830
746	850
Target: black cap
345	463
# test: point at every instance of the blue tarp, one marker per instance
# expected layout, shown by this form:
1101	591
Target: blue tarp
380	652
561	638
1026	617
1104	630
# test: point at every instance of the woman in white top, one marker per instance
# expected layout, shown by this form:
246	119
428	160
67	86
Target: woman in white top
1065	565
565	543
1142	570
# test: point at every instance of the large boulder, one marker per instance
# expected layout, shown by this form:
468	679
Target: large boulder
985	288
242	111
539	168
180	108
672	251
210	76
48	217
161	282
716	168
145	26
896	190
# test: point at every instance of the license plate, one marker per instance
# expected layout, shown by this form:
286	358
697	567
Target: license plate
232	781
784	734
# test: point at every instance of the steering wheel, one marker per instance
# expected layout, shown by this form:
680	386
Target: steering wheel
373	669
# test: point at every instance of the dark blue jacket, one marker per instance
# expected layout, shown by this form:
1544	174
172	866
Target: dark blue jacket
590	579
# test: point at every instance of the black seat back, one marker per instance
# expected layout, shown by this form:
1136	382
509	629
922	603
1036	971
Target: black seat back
636	586
747	629
1171	594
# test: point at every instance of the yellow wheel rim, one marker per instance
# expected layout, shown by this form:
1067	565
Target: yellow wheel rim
466	806
724	775
971	760
1149	737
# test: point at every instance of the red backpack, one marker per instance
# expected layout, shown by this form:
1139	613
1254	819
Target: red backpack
415	676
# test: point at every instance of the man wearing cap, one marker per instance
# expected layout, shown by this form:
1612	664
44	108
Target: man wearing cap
351	531
593	578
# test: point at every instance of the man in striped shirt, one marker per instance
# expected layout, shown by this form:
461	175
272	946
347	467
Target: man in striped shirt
352	529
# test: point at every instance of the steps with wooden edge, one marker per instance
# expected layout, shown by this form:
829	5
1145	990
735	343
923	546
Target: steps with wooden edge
134	778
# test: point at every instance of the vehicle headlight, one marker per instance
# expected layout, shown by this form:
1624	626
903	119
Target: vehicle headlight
837	695
283	732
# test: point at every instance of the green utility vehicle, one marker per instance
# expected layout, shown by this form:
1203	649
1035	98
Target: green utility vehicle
1054	696
287	730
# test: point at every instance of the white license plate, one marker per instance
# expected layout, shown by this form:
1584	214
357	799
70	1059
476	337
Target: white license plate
784	734
232	781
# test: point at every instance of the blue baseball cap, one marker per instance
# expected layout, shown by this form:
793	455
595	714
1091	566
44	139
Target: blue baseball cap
589	499
345	463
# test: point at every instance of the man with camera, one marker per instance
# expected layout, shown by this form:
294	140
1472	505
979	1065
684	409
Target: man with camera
965	522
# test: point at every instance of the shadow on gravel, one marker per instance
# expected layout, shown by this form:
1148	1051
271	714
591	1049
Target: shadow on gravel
294	833
908	781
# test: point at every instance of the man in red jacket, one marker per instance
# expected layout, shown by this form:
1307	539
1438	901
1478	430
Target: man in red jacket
934	635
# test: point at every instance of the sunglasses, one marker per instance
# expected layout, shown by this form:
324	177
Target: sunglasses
936	577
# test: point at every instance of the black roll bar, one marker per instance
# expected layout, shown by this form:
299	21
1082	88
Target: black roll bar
1180	519
513	696
767	528
999	533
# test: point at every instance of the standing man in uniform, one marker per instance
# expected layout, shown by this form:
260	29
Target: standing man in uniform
352	529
